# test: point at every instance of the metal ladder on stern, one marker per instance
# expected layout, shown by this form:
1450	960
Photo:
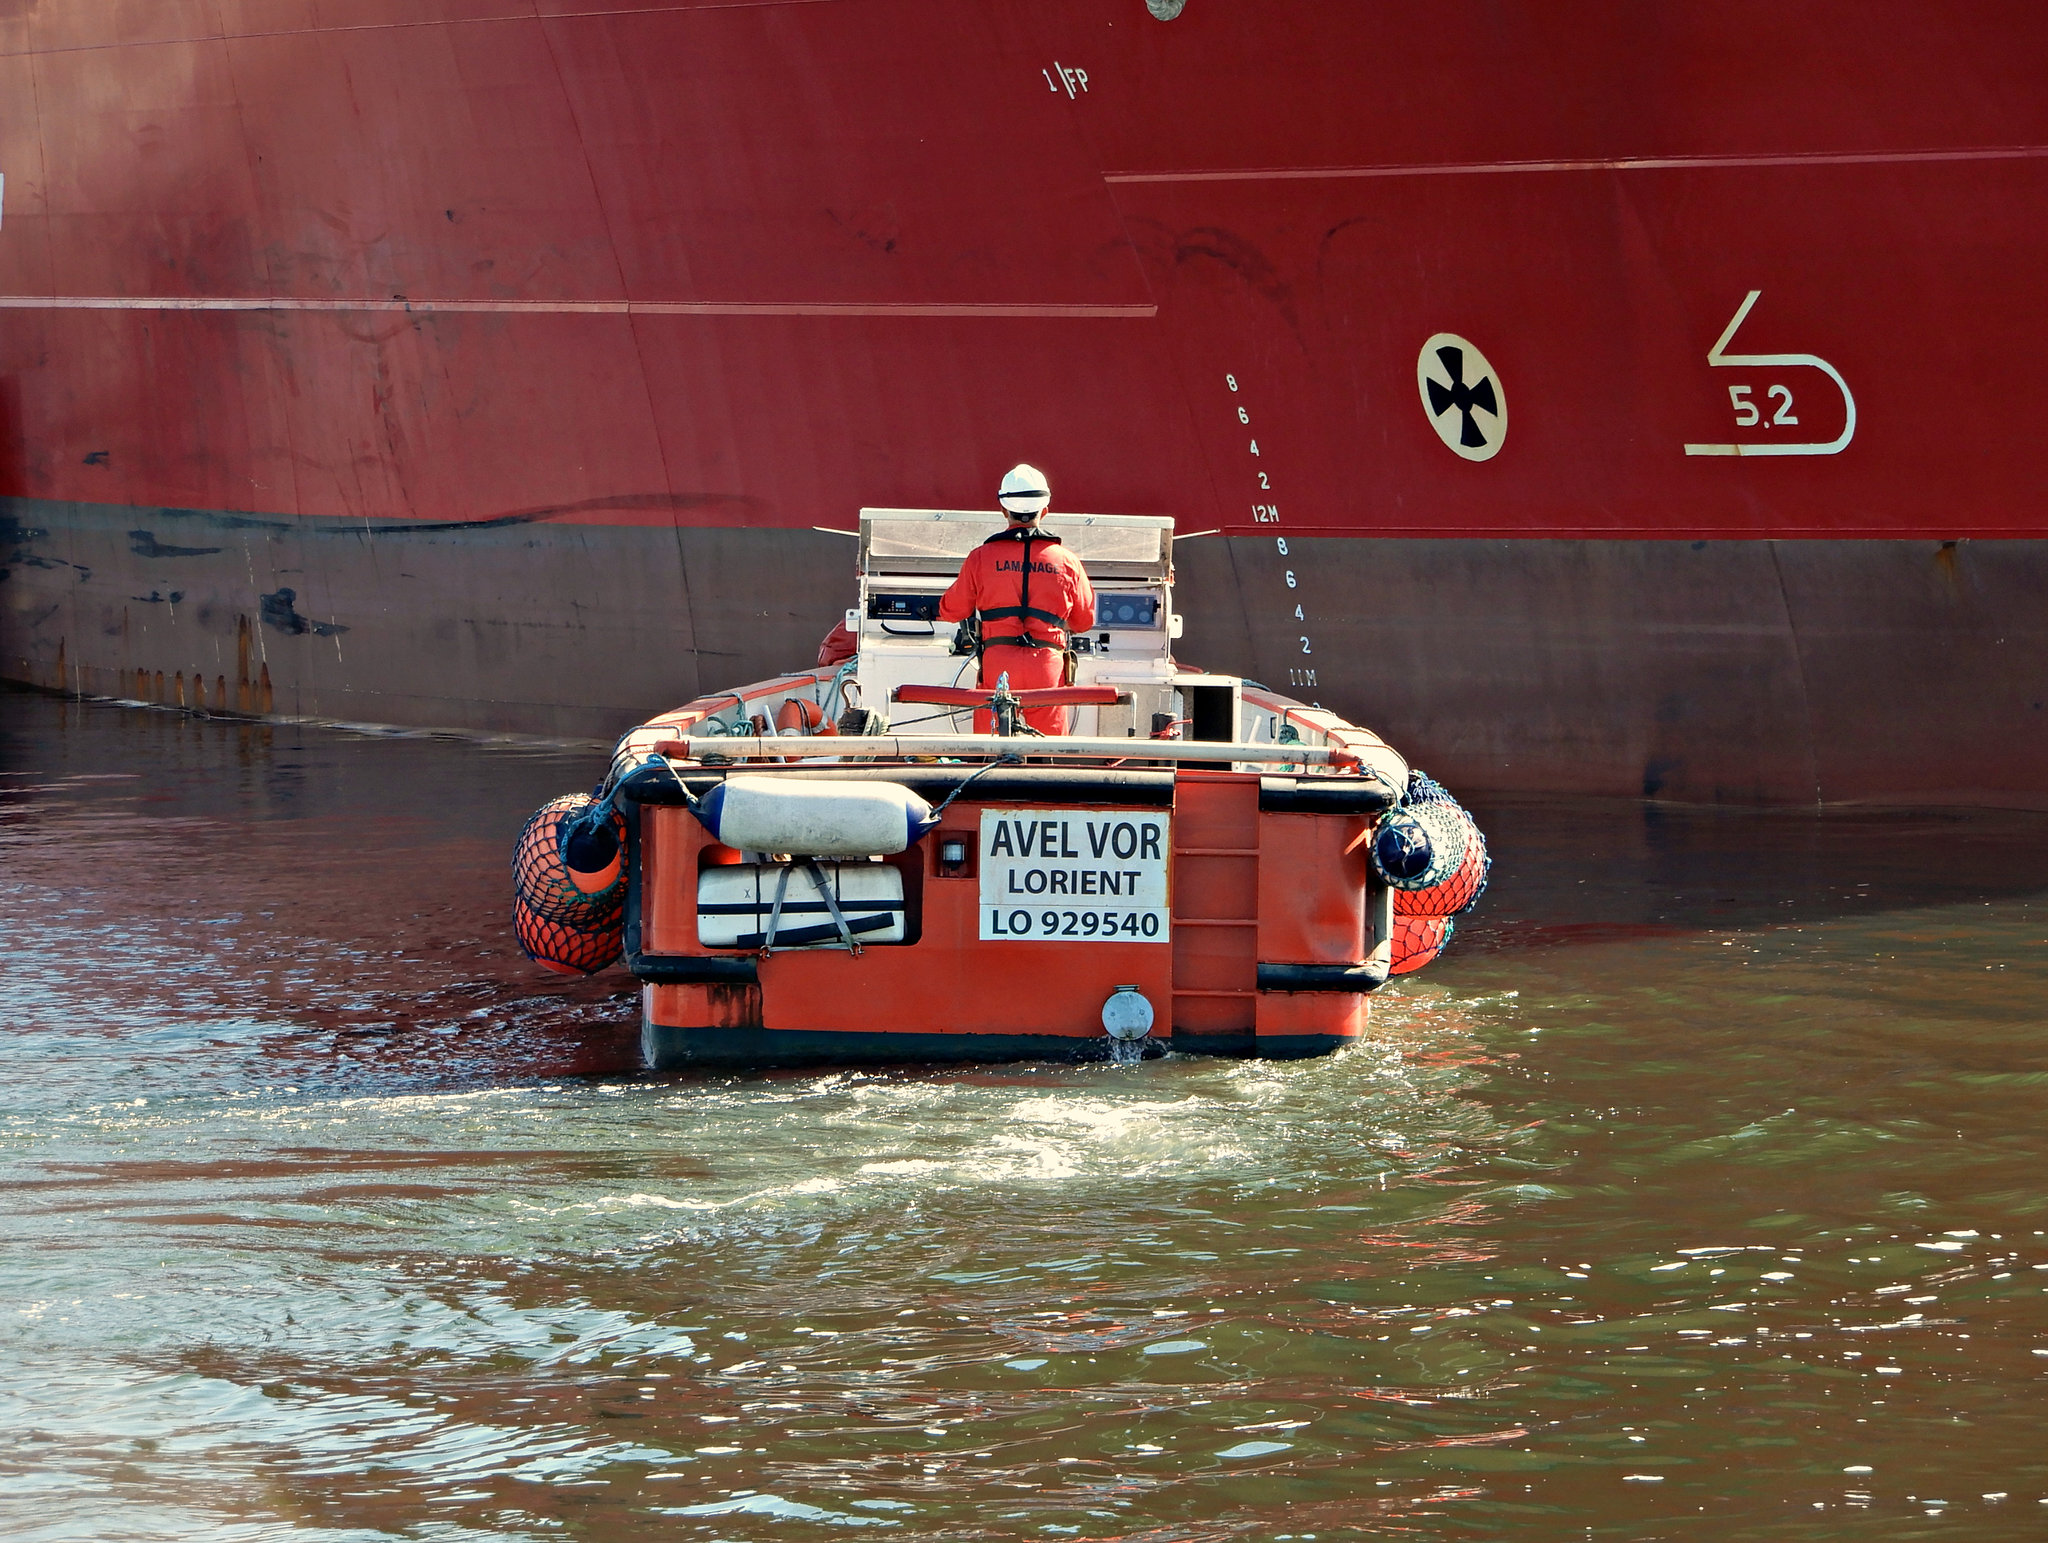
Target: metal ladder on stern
1215	911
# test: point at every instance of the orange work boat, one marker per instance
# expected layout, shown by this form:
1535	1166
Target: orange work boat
832	866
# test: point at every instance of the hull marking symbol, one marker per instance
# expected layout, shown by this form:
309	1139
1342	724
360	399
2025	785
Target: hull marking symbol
1069	76
1748	412
1461	393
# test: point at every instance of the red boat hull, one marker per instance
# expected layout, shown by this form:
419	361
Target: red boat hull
1258	897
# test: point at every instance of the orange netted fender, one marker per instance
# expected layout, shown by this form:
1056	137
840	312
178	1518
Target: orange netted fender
1418	940
1430	852
564	949
569	885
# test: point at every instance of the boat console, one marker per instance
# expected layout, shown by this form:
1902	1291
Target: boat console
909	556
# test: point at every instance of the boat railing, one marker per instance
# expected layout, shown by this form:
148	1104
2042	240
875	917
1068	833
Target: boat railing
785	747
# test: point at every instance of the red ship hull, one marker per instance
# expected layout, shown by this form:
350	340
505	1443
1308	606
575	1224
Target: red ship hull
484	370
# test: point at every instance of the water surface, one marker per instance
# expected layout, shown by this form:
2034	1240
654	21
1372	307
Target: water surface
1696	1193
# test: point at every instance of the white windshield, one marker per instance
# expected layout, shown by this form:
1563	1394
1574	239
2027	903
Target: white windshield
925	540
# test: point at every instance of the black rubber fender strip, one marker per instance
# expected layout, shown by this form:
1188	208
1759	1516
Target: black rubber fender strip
694	969
1360	978
1323	795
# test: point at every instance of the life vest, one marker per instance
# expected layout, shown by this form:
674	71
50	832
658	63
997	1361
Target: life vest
997	583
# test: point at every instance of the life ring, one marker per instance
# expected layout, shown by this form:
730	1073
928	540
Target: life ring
800	715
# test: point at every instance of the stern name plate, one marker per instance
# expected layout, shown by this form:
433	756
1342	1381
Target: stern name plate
1074	876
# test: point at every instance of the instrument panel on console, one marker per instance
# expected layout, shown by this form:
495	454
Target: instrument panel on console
1117	612
883	607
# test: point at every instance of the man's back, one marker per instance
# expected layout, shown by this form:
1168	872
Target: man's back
1039	607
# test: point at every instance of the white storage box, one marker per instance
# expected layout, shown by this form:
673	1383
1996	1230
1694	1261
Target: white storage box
734	903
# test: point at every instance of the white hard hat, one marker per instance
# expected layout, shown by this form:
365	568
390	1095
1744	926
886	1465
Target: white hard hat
1024	490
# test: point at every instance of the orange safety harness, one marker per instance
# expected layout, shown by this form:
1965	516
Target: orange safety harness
1024	612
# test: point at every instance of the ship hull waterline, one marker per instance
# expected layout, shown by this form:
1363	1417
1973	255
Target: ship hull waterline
1773	672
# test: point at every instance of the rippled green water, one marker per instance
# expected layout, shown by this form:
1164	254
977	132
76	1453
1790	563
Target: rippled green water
1698	1193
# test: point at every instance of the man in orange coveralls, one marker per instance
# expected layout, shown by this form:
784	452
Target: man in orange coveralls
1031	593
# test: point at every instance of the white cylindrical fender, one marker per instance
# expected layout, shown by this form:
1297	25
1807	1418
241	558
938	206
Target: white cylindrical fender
812	817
